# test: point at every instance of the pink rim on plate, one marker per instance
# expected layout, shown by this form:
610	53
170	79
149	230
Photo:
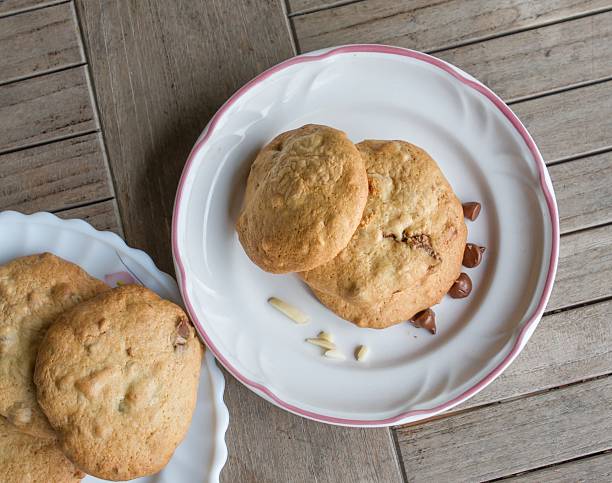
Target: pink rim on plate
525	332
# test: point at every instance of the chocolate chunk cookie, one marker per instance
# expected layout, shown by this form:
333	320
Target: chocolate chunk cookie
408	249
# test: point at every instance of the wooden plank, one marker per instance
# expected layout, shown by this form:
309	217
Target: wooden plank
156	89
540	60
567	347
593	468
39	41
585	268
295	449
570	123
55	176
299	6
45	108
425	25
11	7
583	189
511	437
102	216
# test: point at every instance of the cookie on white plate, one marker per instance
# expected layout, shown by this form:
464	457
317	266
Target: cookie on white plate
407	251
304	198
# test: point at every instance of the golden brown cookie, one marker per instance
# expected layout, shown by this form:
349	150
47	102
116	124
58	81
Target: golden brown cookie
407	251
25	458
34	290
117	376
304	198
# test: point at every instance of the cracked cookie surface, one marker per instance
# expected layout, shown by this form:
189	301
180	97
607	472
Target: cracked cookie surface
304	199
117	377
25	458
408	248
34	291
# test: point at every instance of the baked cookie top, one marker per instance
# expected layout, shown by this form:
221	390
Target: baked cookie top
304	198
34	290
408	248
27	458
117	376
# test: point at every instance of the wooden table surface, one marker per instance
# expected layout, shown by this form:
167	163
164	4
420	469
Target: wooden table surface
101	101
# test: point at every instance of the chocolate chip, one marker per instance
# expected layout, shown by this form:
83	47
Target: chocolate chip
182	333
471	210
461	288
425	319
182	329
472	255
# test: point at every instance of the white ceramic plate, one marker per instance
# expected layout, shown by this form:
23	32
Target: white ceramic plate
104	255
376	92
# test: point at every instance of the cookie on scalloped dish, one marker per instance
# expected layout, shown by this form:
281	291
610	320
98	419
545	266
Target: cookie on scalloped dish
117	377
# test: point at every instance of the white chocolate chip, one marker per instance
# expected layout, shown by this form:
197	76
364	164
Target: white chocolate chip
19	414
322	343
334	354
290	311
361	352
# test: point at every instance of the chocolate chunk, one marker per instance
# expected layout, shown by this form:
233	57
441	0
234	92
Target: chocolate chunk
422	242
182	333
425	319
182	329
461	288
472	255
471	210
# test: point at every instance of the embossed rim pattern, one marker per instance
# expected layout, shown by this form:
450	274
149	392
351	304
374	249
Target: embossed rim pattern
217	380
545	184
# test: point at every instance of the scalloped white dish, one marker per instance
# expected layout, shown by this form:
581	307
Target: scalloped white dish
202	454
371	92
